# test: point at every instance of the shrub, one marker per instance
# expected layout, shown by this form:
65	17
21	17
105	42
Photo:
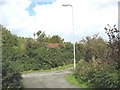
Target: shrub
11	79
97	75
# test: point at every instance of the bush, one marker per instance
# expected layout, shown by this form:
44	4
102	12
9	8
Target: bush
97	75
11	77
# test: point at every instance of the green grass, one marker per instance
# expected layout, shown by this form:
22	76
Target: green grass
49	70
71	79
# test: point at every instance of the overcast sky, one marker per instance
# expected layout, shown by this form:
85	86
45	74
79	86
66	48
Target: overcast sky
25	17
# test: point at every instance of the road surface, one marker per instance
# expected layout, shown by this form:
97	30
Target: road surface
53	79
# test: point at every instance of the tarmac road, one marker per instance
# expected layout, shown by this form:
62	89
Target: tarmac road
53	79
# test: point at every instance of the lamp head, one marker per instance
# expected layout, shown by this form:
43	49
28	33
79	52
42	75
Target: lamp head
66	5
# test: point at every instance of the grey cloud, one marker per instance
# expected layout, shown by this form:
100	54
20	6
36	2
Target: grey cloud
2	2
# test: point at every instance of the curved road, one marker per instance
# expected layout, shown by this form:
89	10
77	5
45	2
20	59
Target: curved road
53	79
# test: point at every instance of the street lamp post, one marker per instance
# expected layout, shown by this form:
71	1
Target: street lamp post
65	5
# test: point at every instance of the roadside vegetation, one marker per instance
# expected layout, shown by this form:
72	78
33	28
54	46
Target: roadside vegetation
97	60
72	79
100	66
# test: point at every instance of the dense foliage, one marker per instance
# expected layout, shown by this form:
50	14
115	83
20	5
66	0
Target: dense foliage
10	75
23	54
94	56
100	65
97	75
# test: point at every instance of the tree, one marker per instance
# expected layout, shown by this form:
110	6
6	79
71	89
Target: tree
94	47
56	39
114	42
41	36
38	33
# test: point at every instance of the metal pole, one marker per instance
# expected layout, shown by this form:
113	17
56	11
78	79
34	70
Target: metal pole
73	35
73	38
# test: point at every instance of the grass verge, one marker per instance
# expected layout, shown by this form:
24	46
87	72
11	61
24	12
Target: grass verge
71	79
49	70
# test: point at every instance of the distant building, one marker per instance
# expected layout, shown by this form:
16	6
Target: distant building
54	45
